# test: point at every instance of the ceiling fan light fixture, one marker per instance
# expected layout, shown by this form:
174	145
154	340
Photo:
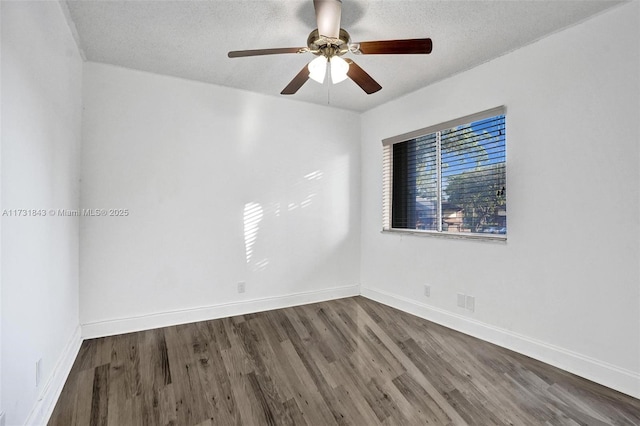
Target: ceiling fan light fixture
318	69
339	69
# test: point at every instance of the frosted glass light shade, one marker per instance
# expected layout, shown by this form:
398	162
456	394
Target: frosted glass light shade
318	69
339	69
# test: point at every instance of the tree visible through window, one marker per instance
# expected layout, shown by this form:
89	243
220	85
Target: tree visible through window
448	178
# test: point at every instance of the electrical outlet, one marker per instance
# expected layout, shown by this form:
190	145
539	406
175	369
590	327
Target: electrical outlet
38	372
242	286
471	303
427	290
461	300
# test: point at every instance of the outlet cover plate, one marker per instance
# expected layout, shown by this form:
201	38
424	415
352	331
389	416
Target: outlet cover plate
471	303
461	300
38	372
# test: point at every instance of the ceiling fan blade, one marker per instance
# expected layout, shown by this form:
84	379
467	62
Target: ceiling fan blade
328	14
361	78
259	52
297	82
396	47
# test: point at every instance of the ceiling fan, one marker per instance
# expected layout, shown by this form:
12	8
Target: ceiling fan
330	42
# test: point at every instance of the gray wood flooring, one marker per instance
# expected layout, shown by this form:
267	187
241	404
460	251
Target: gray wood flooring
348	362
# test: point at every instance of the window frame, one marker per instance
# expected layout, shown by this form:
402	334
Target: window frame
387	178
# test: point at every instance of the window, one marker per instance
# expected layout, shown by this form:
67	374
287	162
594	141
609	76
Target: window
449	178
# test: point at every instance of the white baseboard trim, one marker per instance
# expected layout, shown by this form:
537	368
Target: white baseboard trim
43	408
616	378
164	319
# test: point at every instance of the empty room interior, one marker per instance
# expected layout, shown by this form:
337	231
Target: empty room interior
331	212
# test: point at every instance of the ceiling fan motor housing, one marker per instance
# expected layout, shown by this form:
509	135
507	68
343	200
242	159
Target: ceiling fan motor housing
328	46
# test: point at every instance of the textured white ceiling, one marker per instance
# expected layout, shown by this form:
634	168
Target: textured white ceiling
190	39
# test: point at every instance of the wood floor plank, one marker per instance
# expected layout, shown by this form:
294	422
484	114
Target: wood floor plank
239	388
190	408
117	394
355	389
238	367
320	381
350	361
215	377
155	372
204	364
100	396
267	406
424	406
307	396
294	413
316	339
83	398
272	359
349	396
417	374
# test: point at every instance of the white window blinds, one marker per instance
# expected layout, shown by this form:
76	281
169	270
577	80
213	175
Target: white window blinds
448	178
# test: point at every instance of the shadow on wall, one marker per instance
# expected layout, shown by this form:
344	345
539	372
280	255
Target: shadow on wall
254	213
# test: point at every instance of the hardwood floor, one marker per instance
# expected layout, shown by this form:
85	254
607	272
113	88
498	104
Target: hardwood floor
348	362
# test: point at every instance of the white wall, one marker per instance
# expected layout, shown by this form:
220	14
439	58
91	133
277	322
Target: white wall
41	113
221	186
565	288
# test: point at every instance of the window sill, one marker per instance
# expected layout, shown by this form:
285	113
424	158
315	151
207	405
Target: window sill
500	238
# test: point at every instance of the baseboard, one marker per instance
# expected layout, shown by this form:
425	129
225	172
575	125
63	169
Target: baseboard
43	408
616	378
164	319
